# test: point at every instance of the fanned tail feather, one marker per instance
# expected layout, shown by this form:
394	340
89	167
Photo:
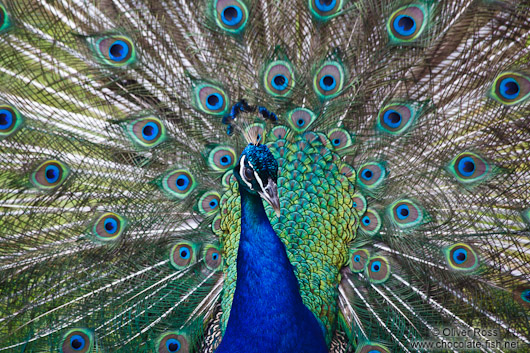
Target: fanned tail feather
402	134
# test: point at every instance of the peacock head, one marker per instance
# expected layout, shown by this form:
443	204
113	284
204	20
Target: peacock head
257	173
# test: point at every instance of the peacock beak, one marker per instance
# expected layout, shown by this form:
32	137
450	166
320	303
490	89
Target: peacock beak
270	194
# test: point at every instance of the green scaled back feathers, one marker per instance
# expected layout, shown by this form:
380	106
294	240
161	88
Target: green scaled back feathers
401	130
316	224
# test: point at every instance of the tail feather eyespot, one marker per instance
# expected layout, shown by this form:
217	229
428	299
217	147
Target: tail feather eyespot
212	257
510	88
146	132
178	183
278	78
222	158
114	50
183	254
378	269
461	257
231	15
77	340
173	342
370	222
358	260
407	24
329	80
324	10
10	120
211	99
108	227
50	174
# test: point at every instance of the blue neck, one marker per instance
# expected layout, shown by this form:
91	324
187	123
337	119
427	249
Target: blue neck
263	269
267	313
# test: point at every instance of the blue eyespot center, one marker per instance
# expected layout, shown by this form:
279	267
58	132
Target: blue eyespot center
150	131
185	253
366	220
376	266
213	204
215	256
357	258
325	5
327	83
231	15
6	119
300	122
214	101
509	88
280	82
225	160
118	50
51	173
77	342
367	174
354	204
392	118
466	166
402	212
335	142
469	167
182	182
173	345
404	25
460	256
110	225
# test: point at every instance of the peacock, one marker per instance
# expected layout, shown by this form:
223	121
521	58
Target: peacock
264	176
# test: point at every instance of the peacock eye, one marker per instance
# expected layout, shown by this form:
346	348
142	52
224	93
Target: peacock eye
328	80
77	340
462	257
278	79
323	10
50	174
108	227
172	341
10	120
301	118
146	132
211	99
510	88
115	50
222	158
249	173
212	257
231	15
359	258
396	118
407	24
378	269
182	255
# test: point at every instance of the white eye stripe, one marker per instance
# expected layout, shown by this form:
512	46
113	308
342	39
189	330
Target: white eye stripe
259	180
241	172
256	176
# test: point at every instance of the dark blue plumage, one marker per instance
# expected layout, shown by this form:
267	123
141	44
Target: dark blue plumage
267	313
